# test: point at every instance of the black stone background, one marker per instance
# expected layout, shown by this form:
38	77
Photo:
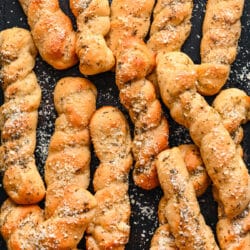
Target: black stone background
144	203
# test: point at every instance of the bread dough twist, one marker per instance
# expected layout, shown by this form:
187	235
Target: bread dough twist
18	116
69	150
93	24
110	134
182	211
138	95
220	34
177	77
52	32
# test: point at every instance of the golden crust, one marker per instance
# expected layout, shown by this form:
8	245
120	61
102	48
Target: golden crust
93	24
52	32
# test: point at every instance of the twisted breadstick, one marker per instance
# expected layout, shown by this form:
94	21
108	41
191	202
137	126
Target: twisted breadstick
233	105
162	237
69	206
112	144
93	24
176	78
128	18
221	32
69	153
18	116
134	62
171	25
52	32
182	209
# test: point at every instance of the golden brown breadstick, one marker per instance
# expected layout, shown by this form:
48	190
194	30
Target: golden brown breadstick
110	134
171	25
233	105
137	94
182	209
19	115
221	32
128	18
93	24
69	153
52	32
200	180
227	170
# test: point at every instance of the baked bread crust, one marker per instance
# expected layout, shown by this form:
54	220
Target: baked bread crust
52	32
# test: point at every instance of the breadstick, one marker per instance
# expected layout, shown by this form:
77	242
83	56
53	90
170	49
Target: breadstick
52	32
69	150
171	25
18	116
182	209
227	170
221	32
233	105
128	18
24	227
137	94
162	237
110	134
93	24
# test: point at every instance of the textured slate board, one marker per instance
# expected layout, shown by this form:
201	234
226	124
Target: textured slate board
144	203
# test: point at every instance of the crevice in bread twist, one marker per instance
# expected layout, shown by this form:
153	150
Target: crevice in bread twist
69	207
182	210
93	24
18	116
52	32
220	34
225	166
110	134
128	18
138	95
68	161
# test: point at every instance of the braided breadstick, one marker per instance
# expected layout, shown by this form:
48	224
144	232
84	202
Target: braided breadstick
233	105
69	153
93	24
162	237
128	18
52	32
19	115
177	77
112	143
134	62
171	25
182	209
221	32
